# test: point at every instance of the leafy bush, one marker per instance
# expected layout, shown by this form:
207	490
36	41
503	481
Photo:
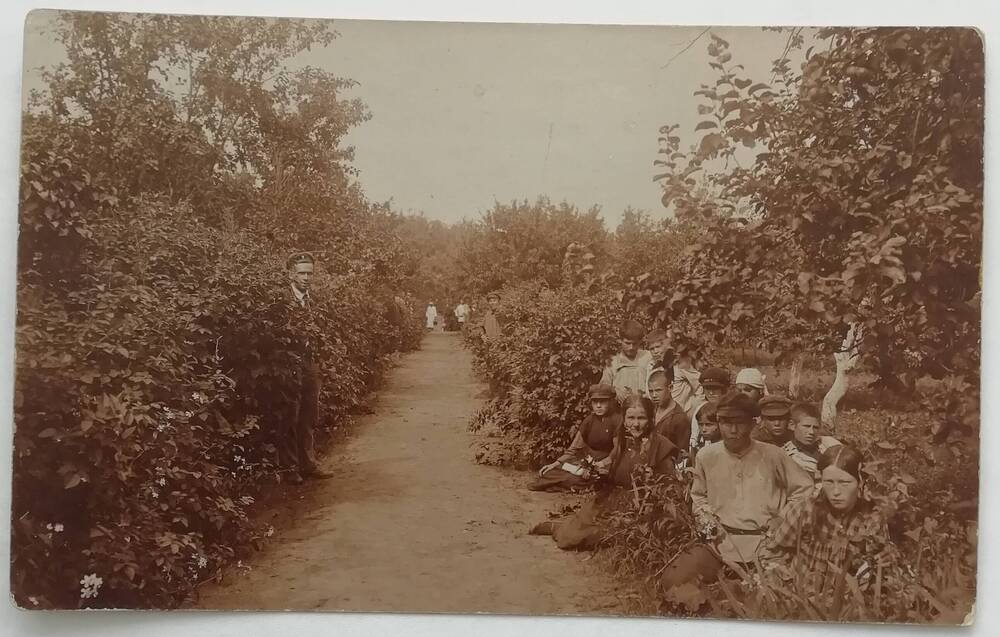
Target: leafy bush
157	354
789	253
523	242
932	579
880	228
555	343
149	400
649	525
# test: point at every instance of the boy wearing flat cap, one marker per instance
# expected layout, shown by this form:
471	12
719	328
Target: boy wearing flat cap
704	428
740	486
591	447
774	418
491	325
715	382
296	447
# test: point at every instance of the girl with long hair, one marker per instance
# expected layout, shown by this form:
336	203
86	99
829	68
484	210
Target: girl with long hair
837	534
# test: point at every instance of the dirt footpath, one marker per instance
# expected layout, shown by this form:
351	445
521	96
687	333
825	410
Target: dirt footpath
412	523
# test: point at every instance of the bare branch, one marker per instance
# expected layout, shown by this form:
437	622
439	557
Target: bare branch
689	45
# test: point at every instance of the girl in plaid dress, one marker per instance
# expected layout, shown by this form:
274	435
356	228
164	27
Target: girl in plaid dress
824	540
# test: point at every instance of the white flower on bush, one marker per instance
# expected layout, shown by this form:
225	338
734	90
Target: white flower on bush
199	397
90	585
202	561
57	527
162	482
239	459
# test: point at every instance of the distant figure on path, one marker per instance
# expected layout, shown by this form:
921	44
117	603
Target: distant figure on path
431	315
296	447
491	326
462	315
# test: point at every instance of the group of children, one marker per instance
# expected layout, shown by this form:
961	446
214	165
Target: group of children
765	484
684	411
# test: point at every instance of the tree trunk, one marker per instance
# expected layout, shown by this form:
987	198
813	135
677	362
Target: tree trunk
795	377
845	359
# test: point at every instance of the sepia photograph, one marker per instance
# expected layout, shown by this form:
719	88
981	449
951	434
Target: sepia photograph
517	319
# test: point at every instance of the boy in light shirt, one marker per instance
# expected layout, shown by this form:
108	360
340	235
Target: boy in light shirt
686	385
807	445
627	370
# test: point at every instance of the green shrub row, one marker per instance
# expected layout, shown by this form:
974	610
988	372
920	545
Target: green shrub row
555	342
152	378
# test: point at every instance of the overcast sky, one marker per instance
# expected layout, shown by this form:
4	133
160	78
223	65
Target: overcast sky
465	114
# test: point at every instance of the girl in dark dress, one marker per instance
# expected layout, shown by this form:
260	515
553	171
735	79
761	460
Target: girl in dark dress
588	456
636	447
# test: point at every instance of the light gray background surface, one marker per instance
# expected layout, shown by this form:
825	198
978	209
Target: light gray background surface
625	181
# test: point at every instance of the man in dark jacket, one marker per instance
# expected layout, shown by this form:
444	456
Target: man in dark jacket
297	447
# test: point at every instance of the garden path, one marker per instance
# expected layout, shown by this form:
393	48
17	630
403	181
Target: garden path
411	523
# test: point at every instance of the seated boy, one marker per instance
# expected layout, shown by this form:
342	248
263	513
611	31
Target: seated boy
670	421
715	382
806	444
589	453
704	428
685	384
774	419
626	372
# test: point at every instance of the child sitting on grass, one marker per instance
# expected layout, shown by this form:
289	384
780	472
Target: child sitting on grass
671	421
637	448
807	445
588	456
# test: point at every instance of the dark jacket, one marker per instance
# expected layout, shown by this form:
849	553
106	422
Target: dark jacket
675	426
660	456
594	438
